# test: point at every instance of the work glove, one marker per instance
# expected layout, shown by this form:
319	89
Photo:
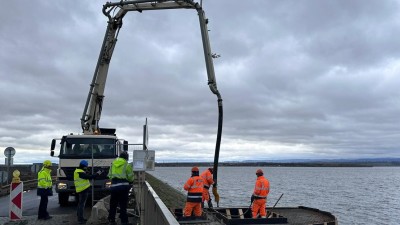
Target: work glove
216	195
252	198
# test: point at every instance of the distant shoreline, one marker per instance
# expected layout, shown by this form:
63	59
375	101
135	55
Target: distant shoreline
270	164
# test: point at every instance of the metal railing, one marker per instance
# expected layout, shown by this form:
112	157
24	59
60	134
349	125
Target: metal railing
28	185
152	210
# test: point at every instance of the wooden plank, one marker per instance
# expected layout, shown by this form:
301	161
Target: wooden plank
228	214
241	214
194	222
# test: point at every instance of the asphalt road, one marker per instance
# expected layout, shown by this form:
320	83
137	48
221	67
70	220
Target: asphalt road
30	205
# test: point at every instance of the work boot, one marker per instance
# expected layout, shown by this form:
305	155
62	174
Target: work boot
47	217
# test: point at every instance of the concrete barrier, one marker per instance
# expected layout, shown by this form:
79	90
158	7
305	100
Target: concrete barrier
100	211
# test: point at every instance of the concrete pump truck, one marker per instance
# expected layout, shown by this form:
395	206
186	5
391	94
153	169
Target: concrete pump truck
100	146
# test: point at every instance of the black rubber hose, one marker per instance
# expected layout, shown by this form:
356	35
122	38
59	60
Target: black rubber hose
218	143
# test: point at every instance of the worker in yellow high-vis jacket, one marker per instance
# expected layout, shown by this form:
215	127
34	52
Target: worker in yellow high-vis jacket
121	176
82	184
44	189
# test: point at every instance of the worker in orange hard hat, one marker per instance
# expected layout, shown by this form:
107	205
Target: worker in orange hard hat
194	187
259	197
208	181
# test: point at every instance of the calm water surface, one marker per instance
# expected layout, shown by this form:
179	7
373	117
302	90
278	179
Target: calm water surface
368	195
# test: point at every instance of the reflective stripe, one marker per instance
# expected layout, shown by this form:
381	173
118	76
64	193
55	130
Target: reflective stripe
119	184
194	196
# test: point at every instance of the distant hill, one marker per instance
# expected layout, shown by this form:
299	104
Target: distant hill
359	160
362	162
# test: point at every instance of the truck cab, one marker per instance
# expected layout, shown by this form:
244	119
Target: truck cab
98	150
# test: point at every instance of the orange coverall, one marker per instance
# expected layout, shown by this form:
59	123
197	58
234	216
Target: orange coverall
194	186
260	193
208	181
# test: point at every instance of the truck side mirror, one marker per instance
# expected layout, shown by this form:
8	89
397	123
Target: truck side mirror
125	145
52	153
53	145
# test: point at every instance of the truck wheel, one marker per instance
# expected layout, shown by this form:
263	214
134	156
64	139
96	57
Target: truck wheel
63	199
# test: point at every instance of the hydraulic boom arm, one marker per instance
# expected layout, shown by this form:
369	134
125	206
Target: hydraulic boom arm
92	112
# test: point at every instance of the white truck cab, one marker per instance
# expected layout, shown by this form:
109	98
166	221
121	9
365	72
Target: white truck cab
98	150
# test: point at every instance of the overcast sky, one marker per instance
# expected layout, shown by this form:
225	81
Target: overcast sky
299	79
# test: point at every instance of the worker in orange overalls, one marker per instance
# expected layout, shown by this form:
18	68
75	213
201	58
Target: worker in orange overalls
208	181
194	187
259	197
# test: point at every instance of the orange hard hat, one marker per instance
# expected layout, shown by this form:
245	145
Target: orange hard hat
259	172
195	169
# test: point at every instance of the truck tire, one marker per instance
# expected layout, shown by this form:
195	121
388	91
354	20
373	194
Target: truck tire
63	199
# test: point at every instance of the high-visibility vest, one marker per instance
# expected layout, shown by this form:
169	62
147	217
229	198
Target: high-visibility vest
120	173
207	178
261	189
44	178
80	184
194	186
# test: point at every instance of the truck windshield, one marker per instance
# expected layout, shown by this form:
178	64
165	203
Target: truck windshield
86	147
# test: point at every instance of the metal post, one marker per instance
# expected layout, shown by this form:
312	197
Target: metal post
93	181
8	169
142	197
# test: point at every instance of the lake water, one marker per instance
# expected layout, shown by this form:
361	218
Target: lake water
366	195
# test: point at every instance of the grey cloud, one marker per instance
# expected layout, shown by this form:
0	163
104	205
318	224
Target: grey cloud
310	79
